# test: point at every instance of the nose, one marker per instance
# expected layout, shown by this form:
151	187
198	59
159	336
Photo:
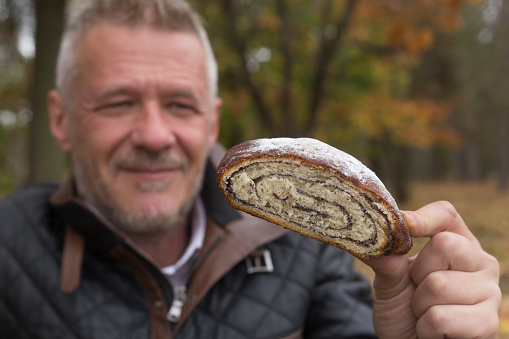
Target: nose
152	131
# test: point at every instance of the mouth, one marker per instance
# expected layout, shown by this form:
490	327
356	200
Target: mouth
147	169
142	166
151	179
149	172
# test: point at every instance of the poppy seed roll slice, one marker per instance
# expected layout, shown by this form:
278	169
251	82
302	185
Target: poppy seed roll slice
316	190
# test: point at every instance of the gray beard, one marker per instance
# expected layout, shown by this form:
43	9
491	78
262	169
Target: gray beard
150	223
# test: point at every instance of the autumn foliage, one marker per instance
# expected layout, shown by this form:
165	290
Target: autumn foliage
335	70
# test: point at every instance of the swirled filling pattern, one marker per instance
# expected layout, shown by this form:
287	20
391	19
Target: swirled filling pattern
312	200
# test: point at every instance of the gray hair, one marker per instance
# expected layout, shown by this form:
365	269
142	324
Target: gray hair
168	15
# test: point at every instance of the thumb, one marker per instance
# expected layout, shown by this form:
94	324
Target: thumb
392	276
394	289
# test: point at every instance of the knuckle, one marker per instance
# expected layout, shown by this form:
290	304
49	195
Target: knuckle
446	242
438	318
495	294
448	207
438	284
492	264
494	290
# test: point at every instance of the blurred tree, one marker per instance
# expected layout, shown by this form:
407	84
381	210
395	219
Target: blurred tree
470	67
14	83
464	68
46	160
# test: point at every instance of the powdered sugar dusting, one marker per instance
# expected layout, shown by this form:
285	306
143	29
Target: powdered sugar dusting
315	150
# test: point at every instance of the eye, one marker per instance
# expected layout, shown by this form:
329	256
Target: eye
179	107
115	107
120	104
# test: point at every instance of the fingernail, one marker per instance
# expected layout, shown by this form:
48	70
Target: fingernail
409	218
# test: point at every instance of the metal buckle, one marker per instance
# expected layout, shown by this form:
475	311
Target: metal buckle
260	261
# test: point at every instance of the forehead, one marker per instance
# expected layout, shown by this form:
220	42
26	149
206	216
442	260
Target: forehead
111	47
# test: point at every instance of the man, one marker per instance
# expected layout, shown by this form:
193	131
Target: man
139	243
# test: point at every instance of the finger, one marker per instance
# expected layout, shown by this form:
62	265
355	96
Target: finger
450	251
453	288
434	218
456	321
391	275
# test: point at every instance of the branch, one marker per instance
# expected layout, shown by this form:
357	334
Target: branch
240	48
328	47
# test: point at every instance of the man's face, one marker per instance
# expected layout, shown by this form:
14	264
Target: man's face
142	124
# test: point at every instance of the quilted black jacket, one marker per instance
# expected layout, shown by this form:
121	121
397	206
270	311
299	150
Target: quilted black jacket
312	291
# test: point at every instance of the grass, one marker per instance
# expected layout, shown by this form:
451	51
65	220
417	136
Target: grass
486	211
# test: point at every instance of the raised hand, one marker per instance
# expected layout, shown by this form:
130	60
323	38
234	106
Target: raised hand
449	290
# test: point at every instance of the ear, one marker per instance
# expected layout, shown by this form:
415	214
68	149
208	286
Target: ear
58	120
215	122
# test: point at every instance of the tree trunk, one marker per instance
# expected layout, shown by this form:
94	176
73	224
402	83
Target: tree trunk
401	173
321	66
18	159
46	161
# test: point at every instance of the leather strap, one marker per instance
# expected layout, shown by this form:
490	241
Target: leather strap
72	260
160	327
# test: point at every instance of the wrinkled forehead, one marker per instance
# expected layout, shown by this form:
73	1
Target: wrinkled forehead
139	46
137	62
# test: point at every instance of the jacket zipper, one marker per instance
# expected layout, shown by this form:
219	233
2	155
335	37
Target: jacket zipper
179	298
180	292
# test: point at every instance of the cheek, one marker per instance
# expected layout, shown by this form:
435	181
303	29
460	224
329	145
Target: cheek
95	141
196	140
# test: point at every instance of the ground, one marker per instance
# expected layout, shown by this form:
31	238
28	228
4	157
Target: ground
485	210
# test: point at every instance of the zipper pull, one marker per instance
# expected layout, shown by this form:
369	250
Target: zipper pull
179	297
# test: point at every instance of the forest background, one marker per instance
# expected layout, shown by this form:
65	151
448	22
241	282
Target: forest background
417	90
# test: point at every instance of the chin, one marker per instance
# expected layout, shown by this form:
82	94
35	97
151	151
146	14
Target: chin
151	216
153	186
148	221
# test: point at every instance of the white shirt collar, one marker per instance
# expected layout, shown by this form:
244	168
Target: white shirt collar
180	272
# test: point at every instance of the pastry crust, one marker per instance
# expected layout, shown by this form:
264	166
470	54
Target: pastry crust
316	190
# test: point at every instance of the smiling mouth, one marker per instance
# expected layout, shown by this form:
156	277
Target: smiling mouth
149	173
151	166
153	186
149	170
150	179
